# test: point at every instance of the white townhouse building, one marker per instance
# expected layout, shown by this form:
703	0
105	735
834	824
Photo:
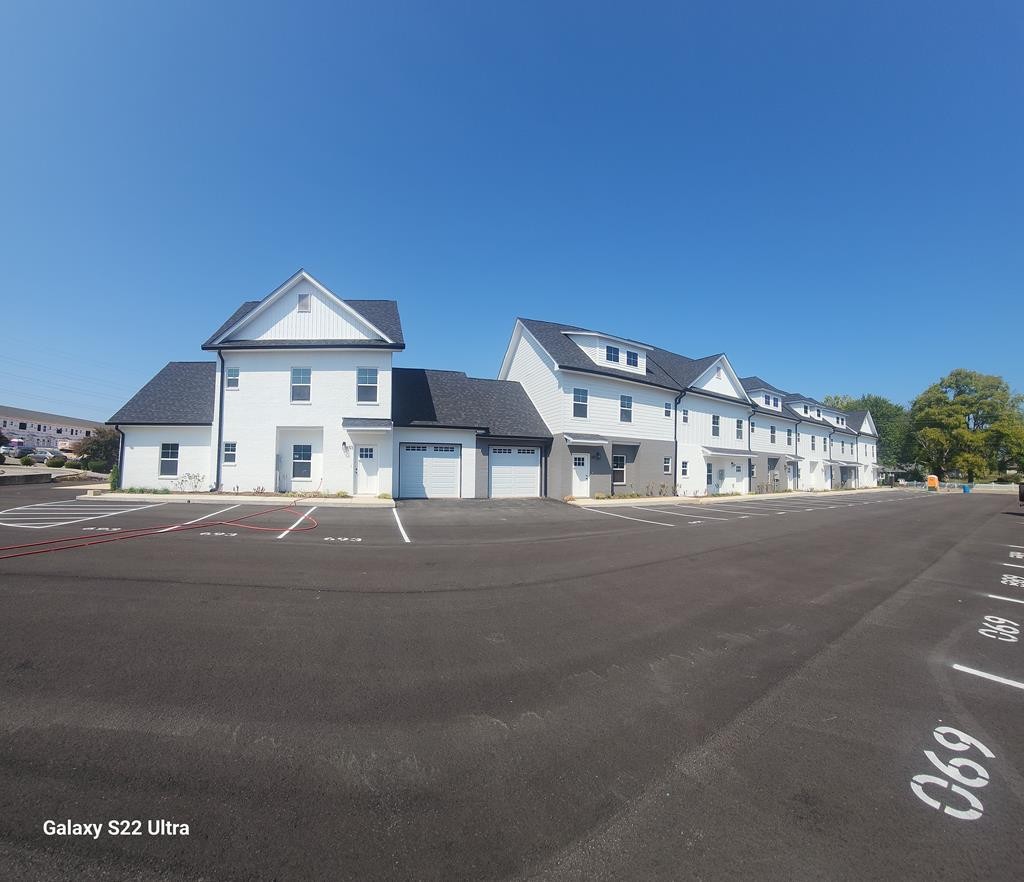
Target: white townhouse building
303	398
630	417
39	429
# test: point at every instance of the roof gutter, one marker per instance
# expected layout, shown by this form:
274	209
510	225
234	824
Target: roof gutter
675	444
120	458
220	421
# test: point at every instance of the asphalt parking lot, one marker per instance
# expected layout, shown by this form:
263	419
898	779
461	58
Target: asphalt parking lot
821	687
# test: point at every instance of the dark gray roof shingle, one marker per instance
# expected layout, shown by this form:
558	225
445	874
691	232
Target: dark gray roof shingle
857	420
551	335
181	394
752	384
451	399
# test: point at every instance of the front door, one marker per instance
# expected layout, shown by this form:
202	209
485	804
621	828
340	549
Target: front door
581	475
366	470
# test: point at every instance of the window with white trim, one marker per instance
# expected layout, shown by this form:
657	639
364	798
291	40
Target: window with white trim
526	451
753	427
789	437
632	359
805	409
767	398
444	448
580	403
686	415
813	437
230	452
366	385
366	453
716	425
625	408
501	450
618	468
231	378
579	462
666	465
611	353
817	412
739	430
303	301
771	434
775	401
668	408
301	384
302	461
684	468
168	460
417	448
711	475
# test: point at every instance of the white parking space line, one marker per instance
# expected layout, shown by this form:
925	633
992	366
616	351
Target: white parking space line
678	514
1015	566
31	518
299	521
756	514
612	514
992	677
1000	597
401	529
197	520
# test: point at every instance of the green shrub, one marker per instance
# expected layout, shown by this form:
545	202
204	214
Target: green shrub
98	465
55	462
342	494
74	464
146	490
27	460
383	495
3	459
115	478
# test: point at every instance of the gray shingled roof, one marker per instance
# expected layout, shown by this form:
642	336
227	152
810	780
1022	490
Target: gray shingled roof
551	335
451	399
856	419
752	384
41	416
382	314
181	394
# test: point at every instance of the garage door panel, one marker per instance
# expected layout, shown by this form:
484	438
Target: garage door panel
514	472
430	471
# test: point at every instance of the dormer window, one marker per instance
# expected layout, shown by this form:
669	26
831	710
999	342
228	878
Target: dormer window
818	412
304	301
611	353
767	398
775	402
632	359
805	410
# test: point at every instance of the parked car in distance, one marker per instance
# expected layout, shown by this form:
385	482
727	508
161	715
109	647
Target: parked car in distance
12	449
40	454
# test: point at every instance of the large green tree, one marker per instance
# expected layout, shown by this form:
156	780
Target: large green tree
968	422
891	419
103	445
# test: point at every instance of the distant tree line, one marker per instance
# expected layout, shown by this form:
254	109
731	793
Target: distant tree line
967	424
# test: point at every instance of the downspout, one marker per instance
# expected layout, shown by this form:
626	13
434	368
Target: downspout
120	458
220	421
750	450
796	447
832	479
675	444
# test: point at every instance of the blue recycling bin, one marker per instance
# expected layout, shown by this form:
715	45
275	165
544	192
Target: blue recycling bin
967	488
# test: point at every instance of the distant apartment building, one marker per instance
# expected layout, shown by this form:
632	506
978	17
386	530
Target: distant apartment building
39	429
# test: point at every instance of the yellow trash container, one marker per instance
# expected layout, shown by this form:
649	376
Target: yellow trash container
933	483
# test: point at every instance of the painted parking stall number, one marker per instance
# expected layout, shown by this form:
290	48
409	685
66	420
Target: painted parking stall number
998	628
218	533
103	529
953	792
342	539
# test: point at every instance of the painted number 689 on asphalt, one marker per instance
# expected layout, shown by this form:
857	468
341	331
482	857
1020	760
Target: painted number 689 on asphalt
953	794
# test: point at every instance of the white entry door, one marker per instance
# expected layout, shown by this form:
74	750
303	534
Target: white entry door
366	470
515	471
581	475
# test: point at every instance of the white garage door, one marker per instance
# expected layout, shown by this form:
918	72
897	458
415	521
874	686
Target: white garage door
430	471
514	471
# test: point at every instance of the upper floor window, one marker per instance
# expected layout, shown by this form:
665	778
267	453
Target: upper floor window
775	401
168	460
668	408
718	372
789	437
716	425
626	408
304	301
301	384
805	409
632	359
842	447
231	375
580	403
753	427
771	434
366	385
686	415
767	398
739	430
817	412
611	353
813	438
22	425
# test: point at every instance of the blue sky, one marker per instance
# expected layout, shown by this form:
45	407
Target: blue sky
829	192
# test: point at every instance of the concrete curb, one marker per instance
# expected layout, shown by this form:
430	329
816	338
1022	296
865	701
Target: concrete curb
720	500
227	499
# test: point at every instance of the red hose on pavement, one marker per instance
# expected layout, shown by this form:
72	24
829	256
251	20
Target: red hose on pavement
58	544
